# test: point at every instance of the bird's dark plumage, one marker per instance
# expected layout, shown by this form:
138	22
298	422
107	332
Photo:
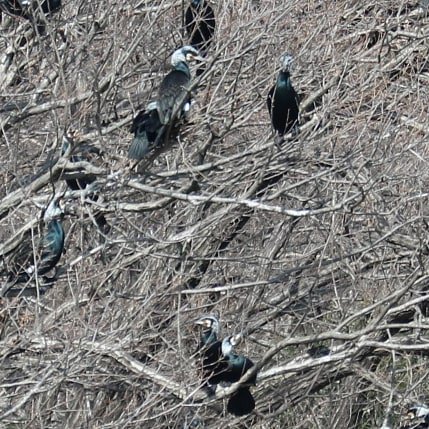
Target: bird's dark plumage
200	24
148	132
210	350
221	364
50	6
240	402
15	8
174	94
86	152
28	9
28	259
282	101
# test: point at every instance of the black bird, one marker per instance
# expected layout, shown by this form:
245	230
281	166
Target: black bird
29	258
16	8
148	132
418	417
174	95
241	402
86	152
210	350
29	10
200	24
50	6
282	100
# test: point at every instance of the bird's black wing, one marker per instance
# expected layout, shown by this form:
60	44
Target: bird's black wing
172	95
241	402
14	8
50	6
51	247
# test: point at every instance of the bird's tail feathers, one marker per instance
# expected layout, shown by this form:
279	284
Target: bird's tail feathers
241	402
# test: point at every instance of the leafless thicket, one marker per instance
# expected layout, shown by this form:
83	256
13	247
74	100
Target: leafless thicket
321	242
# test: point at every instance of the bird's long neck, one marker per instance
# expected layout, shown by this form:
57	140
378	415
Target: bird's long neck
283	79
208	337
55	225
183	67
197	4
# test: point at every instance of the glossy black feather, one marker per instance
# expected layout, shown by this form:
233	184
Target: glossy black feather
42	257
84	152
210	351
173	93
148	133
50	6
240	402
220	364
14	8
29	10
200	24
282	102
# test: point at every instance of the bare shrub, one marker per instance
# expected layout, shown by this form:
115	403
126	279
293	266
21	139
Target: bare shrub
319	242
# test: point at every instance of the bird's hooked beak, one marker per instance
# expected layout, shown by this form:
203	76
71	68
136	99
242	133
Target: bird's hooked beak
196	58
203	322
236	339
54	210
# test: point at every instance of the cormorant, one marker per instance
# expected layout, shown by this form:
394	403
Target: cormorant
418	417
241	402
16	8
148	132
28	9
79	183
174	94
28	259
200	24
282	100
50	6
210	349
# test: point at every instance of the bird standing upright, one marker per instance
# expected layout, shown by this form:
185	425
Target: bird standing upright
27	260
200	24
282	100
210	350
241	401
174	95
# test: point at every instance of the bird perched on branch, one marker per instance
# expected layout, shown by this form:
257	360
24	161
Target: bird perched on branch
28	9
148	132
241	401
174	96
16	8
282	100
210	350
82	181
161	120
221	364
50	6
200	24
36	256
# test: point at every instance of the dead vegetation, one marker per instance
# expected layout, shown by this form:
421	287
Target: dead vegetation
322	242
